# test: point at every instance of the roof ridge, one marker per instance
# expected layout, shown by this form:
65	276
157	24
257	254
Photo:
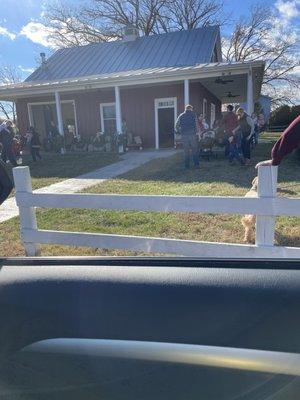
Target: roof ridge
143	37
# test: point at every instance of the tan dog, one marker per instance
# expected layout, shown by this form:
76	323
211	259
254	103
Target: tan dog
248	221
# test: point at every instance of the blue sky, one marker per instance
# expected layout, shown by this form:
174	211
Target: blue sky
23	37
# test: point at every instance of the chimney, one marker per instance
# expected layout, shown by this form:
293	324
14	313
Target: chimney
43	58
130	33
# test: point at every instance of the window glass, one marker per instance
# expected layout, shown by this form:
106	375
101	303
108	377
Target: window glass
109	111
108	118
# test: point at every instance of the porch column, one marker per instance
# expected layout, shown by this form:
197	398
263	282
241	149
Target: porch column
59	114
118	110
250	105
186	92
119	116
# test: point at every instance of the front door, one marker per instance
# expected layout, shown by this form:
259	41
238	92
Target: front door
165	116
166	127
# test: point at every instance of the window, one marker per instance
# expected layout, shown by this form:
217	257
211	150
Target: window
108	118
43	116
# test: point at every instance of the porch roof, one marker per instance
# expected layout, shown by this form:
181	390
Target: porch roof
200	72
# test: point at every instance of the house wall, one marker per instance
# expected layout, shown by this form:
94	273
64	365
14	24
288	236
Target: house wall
197	93
137	106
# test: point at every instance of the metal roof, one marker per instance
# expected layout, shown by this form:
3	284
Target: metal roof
176	49
129	78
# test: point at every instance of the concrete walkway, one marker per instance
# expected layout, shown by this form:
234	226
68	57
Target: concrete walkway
129	161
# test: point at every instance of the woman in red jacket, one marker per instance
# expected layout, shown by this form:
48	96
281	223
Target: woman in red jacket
289	141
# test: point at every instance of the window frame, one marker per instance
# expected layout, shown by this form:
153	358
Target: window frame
102	105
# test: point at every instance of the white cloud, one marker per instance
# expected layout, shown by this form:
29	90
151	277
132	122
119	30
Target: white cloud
27	70
5	32
37	33
288	9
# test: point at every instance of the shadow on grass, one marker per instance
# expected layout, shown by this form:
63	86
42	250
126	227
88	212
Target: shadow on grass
216	170
68	165
286	240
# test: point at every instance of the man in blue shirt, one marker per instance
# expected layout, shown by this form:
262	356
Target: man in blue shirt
186	125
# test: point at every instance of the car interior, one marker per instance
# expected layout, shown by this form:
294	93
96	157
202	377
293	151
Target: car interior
149	328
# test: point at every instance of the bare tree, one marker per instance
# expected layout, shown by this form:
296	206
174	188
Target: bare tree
70	26
260	37
103	20
9	75
190	14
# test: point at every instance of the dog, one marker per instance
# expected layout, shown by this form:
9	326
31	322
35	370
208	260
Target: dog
248	221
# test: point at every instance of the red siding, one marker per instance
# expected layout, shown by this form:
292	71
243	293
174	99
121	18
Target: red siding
137	107
22	115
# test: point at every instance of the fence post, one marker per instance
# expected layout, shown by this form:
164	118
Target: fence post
267	187
27	214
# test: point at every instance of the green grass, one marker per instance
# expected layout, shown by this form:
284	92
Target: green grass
55	167
167	176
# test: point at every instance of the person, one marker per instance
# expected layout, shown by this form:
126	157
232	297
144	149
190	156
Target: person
235	149
256	129
6	140
6	185
230	122
35	144
186	124
261	122
288	142
202	126
246	128
53	129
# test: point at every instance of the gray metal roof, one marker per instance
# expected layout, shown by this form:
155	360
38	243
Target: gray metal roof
176	49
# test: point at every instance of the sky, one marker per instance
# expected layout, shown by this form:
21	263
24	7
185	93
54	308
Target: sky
23	36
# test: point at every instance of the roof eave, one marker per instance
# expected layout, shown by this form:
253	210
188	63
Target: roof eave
127	79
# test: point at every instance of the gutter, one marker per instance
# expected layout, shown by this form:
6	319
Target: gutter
126	79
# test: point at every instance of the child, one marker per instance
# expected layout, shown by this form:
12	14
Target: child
235	150
35	144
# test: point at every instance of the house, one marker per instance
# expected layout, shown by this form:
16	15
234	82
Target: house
145	81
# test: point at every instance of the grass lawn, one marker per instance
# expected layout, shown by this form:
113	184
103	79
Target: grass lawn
55	167
167	176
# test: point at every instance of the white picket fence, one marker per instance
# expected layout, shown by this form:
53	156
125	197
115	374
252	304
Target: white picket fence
266	206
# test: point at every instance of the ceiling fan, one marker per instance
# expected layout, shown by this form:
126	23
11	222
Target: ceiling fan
223	81
229	94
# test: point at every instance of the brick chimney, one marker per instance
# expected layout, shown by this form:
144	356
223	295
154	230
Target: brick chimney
43	58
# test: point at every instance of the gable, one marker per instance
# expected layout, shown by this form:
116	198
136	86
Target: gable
176	49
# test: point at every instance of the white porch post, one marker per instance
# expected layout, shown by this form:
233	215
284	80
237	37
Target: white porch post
250	105
59	119
59	114
118	115
186	92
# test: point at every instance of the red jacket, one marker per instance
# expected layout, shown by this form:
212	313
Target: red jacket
289	141
230	122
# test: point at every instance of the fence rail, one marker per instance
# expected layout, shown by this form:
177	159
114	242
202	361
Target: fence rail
266	206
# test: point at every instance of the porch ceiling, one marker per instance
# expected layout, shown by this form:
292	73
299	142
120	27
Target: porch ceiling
233	88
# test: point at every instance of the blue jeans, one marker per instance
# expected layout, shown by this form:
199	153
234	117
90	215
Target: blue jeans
234	154
190	143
